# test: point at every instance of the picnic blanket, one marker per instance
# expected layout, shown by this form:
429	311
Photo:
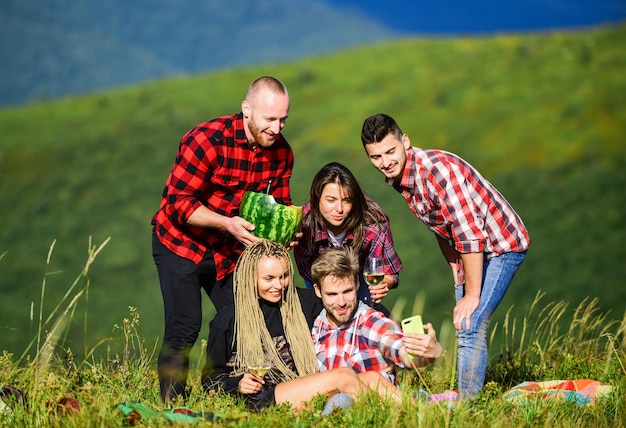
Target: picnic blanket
579	391
136	412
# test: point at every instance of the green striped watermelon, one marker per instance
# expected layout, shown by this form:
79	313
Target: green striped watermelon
271	220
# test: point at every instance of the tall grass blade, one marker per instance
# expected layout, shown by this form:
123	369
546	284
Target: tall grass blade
92	254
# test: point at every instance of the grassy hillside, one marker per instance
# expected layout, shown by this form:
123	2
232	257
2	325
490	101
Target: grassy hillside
542	116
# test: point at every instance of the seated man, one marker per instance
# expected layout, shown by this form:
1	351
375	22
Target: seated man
349	333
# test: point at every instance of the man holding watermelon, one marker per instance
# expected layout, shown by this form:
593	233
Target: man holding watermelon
198	233
480	235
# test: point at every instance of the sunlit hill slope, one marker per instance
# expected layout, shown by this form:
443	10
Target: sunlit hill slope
543	116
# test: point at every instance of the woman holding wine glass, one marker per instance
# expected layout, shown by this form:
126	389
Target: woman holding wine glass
261	348
373	271
338	213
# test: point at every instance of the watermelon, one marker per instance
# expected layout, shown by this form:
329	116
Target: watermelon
271	220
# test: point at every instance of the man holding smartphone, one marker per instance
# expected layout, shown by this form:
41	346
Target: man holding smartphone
349	333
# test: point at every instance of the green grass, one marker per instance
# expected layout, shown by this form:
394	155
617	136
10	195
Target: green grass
542	116
593	347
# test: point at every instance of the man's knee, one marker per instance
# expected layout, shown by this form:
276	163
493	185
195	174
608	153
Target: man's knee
347	380
371	376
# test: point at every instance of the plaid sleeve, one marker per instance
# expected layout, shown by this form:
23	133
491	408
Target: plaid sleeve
385	334
189	176
383	247
279	162
301	254
304	259
458	196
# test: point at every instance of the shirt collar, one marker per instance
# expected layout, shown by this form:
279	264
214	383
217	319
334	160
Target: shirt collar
411	168
239	131
321	236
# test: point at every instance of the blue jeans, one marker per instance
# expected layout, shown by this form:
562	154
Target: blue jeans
472	354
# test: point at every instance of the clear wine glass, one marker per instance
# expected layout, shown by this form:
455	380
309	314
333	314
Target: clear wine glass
373	271
260	366
260	370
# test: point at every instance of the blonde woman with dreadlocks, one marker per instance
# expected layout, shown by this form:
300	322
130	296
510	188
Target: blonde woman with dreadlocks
269	326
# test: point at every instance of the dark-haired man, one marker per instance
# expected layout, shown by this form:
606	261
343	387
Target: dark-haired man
480	235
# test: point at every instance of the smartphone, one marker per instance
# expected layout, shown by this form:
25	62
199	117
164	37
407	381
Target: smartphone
413	324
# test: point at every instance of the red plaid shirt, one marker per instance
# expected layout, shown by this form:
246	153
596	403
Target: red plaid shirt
377	241
214	166
369	341
454	201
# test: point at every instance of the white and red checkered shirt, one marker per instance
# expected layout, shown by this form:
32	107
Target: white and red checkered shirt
454	201
369	341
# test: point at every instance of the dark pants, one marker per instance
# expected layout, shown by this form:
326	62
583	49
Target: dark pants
182	282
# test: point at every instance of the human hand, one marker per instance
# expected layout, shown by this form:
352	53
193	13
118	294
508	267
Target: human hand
423	348
379	292
463	310
241	230
250	384
423	345
295	241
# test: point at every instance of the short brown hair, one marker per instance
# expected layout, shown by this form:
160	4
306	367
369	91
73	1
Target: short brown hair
377	127
341	262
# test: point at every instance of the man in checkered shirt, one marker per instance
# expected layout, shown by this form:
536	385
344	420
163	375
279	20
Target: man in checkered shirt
198	234
482	238
349	333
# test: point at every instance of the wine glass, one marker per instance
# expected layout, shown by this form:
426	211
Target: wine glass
260	370
261	367
373	271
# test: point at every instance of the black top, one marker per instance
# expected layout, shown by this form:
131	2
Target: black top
221	348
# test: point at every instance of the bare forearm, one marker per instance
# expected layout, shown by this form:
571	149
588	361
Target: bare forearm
473	273
204	217
465	307
236	226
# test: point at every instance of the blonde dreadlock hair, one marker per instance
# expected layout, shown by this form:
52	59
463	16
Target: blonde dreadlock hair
250	323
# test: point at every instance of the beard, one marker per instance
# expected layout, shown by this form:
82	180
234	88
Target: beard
258	136
341	319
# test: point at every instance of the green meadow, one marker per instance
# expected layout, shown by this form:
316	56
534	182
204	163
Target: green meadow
542	116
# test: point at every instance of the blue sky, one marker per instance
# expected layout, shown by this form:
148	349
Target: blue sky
488	16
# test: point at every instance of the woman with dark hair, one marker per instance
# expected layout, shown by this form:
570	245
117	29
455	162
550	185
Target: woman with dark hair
261	348
338	213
